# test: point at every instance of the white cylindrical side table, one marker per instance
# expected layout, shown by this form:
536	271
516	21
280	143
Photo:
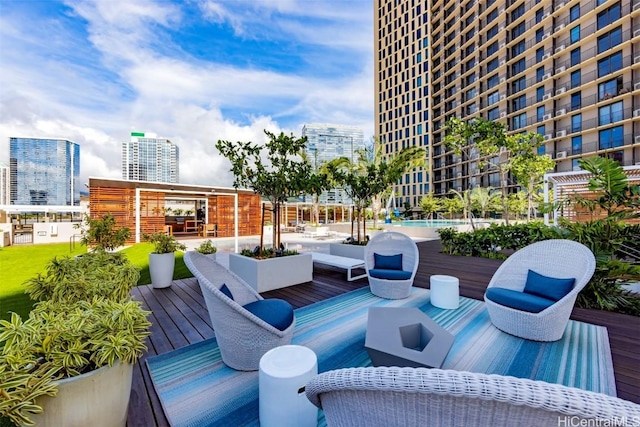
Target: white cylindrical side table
445	291
284	371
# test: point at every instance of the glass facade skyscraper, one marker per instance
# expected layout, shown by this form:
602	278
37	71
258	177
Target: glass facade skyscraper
44	171
149	158
326	142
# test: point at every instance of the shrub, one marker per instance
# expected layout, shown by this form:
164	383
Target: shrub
163	243
206	248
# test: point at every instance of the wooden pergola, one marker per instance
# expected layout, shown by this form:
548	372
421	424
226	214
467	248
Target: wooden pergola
567	184
140	205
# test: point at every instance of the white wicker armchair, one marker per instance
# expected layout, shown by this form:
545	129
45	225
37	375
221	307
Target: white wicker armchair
406	397
243	338
553	258
392	243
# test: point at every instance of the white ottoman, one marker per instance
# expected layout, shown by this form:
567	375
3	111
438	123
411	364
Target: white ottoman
445	291
284	371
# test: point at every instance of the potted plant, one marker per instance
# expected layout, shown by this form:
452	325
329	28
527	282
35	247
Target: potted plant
207	248
78	344
276	170
162	259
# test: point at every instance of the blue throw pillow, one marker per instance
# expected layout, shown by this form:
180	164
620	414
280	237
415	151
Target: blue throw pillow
225	290
548	287
518	300
276	312
387	262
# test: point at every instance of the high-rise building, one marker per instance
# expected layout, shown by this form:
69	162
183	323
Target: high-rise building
44	171
566	69
149	158
326	142
5	185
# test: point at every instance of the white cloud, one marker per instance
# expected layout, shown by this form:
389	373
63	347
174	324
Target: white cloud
123	71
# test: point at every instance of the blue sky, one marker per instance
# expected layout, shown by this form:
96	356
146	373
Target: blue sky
193	71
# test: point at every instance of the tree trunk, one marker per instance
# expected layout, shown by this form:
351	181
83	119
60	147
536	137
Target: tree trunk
468	202
505	210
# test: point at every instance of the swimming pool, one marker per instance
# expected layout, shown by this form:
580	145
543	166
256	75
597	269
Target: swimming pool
437	223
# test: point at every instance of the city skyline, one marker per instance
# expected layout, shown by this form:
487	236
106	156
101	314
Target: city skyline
94	71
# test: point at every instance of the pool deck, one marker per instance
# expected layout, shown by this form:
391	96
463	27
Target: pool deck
179	318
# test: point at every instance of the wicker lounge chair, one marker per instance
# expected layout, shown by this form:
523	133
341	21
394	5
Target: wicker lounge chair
553	258
381	280
242	336
392	396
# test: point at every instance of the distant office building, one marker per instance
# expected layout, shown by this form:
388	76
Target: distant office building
5	185
149	158
326	142
44	171
566	69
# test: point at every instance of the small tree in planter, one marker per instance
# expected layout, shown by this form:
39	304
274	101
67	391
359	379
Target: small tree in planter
102	233
278	174
162	259
84	321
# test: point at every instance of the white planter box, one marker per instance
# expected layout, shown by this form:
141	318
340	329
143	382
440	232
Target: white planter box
349	251
98	398
161	269
273	273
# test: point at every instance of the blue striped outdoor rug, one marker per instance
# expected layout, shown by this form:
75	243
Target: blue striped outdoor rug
197	389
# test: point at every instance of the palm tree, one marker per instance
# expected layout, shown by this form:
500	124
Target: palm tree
482	198
368	178
407	159
430	205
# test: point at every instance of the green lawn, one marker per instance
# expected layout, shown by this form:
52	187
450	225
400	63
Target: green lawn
20	263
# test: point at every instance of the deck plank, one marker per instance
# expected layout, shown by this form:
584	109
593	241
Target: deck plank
180	318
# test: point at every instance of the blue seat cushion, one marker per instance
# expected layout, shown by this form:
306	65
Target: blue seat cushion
548	287
225	290
276	312
518	300
392	274
387	262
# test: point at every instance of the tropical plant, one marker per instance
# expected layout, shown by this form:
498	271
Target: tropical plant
430	205
207	248
80	323
489	139
163	243
370	177
465	202
102	233
274	170
451	205
482	199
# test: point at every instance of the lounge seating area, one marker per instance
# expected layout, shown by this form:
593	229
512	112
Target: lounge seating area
183	307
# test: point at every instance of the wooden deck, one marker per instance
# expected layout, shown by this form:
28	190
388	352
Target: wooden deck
180	318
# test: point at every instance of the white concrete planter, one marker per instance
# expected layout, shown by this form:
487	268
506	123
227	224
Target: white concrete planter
273	273
345	250
161	269
98	398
